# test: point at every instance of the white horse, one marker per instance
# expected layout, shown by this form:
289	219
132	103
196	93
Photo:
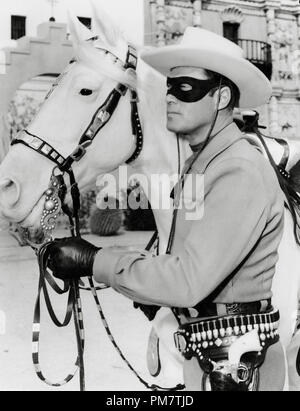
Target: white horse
25	174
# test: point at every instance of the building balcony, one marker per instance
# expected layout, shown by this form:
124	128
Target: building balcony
259	53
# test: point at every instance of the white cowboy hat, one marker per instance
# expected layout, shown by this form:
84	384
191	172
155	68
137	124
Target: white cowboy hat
205	49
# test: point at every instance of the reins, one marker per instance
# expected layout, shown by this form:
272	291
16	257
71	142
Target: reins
54	204
74	307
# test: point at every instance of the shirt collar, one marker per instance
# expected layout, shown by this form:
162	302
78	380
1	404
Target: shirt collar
219	143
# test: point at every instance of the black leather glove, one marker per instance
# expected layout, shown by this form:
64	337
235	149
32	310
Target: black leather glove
71	258
149	310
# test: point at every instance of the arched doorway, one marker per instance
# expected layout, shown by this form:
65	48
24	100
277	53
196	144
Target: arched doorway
49	52
27	101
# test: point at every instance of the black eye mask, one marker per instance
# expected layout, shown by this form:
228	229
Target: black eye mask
200	88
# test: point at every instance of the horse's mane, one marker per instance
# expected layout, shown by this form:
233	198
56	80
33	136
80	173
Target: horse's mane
295	176
290	185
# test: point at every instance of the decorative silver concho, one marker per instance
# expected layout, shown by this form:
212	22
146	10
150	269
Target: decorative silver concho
52	206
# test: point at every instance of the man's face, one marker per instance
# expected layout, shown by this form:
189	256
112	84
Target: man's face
188	117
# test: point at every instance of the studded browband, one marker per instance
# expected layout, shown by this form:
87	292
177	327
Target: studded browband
99	120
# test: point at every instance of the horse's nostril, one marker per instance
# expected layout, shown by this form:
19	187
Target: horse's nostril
6	185
9	193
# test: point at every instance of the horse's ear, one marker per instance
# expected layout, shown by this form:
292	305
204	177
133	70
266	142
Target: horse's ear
79	32
103	26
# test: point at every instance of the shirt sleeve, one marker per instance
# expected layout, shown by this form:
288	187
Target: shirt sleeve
235	215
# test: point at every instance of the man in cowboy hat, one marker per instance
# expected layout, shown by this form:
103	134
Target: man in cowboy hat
219	269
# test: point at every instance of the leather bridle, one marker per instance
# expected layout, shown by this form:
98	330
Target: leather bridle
54	202
98	121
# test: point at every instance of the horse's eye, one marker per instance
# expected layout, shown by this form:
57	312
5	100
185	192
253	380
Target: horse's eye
86	92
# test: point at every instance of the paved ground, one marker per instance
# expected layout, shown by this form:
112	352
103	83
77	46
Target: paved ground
104	368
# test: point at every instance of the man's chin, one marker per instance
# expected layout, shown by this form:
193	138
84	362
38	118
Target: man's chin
173	129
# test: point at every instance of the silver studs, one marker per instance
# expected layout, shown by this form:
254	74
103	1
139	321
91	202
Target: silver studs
36	143
89	133
229	331
50	205
218	342
103	116
49	192
46	149
54	155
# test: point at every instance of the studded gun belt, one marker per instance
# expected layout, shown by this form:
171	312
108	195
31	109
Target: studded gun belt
213	337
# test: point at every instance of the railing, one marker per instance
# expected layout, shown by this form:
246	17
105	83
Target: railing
259	53
256	51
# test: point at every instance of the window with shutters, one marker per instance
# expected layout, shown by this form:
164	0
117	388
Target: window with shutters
231	31
18	27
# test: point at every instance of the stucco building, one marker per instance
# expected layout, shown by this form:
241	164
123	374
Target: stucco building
267	30
35	47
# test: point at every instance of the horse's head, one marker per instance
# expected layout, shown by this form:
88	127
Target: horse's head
69	108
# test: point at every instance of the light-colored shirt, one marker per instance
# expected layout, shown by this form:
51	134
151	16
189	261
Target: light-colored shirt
230	253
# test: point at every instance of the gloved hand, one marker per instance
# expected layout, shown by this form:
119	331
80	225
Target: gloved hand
71	258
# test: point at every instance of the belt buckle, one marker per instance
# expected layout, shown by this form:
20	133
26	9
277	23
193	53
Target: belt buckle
180	342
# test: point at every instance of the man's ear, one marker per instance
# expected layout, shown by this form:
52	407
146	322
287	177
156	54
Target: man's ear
224	98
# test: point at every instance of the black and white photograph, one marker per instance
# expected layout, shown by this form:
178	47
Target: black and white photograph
150	198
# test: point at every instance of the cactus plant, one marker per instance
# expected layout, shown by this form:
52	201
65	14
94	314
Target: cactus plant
142	218
106	221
